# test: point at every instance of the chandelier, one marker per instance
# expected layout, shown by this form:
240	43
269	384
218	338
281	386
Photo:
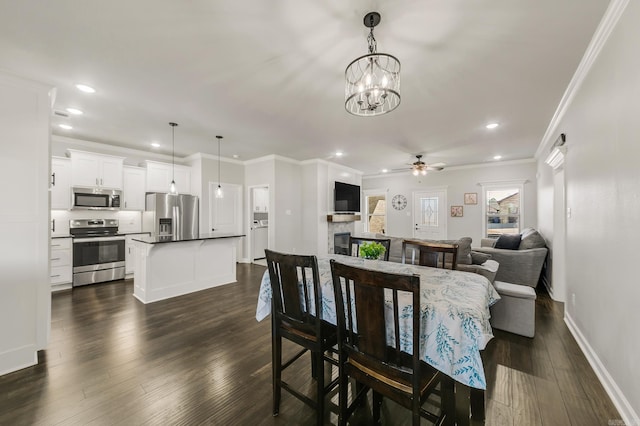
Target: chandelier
372	82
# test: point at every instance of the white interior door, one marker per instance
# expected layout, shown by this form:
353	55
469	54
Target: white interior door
225	214
429	215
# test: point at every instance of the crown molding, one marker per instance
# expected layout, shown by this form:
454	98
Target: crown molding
599	39
454	168
202	155
330	164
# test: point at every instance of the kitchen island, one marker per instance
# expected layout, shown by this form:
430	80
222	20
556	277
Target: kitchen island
167	267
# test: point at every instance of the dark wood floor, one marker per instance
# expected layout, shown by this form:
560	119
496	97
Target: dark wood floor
203	359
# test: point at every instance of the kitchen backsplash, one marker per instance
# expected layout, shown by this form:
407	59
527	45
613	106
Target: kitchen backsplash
129	221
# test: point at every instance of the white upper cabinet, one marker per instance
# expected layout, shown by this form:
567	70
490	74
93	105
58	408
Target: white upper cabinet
60	183
160	175
261	200
89	169
133	188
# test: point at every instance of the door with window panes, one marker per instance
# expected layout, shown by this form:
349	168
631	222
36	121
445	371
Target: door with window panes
430	221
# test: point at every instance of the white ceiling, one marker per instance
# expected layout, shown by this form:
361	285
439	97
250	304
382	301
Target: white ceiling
269	75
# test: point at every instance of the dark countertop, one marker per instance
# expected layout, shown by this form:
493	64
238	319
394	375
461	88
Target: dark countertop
155	239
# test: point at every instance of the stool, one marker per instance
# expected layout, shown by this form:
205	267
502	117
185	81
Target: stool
515	312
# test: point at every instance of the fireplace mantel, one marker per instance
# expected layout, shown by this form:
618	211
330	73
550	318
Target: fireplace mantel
341	217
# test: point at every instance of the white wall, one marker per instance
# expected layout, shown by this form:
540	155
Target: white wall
25	291
286	211
457	181
603	192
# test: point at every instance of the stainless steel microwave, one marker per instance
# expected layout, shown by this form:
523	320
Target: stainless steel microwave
95	198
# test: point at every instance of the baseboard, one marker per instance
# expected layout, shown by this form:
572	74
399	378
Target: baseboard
547	285
629	416
17	359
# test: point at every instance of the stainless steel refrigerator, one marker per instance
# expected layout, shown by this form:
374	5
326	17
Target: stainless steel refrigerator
171	215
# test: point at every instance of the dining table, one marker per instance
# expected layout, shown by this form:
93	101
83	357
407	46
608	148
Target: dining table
454	322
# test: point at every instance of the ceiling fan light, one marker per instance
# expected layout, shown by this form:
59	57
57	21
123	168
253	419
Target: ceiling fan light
423	172
416	172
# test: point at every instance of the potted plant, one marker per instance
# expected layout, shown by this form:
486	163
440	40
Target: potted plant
371	250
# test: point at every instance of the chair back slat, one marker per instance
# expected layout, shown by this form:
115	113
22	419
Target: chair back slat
366	339
294	299
356	242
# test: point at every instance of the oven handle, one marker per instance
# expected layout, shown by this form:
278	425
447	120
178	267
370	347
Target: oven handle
97	239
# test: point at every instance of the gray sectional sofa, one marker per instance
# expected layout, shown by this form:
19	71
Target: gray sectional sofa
467	261
522	266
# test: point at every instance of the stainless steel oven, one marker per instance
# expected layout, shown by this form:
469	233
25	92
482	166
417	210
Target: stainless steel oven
98	251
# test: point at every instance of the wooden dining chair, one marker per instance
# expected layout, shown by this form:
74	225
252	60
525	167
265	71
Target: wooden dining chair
356	242
296	316
436	255
365	355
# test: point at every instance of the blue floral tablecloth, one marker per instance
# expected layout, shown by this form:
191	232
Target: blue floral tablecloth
454	314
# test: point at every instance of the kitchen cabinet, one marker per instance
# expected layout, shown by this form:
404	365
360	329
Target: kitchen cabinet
60	183
160	175
61	263
129	253
261	200
89	169
133	188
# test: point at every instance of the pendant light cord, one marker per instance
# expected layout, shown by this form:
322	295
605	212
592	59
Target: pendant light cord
219	138
173	150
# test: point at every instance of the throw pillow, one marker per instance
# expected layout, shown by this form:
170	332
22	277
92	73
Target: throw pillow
531	239
478	258
508	241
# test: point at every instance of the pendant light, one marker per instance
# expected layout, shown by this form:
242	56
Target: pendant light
372	84
219	193
172	188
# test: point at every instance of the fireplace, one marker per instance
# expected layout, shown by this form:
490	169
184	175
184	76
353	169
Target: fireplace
341	243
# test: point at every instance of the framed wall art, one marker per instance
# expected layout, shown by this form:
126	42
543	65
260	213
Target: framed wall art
456	211
471	198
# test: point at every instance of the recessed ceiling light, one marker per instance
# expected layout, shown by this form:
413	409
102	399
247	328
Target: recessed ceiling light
74	111
85	88
385	170
497	157
65	126
492	125
338	154
236	156
155	144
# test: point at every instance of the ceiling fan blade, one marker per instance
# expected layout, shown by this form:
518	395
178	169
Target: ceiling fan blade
434	168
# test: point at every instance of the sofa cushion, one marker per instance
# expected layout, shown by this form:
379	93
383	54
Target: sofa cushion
478	258
508	241
531	239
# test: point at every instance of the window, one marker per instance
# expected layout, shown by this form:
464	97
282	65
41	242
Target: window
376	214
503	209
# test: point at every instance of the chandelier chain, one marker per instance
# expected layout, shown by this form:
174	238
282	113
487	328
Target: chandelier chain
371	40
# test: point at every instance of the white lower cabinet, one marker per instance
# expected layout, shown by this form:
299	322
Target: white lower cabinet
61	271
129	253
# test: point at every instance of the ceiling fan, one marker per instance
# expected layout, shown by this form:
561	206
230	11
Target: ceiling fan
419	167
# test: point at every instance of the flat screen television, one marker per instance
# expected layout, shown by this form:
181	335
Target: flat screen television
346	198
